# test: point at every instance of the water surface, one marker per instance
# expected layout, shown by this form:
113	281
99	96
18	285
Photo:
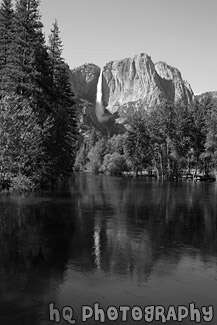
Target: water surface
115	241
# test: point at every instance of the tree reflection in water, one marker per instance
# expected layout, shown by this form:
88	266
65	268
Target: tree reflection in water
127	230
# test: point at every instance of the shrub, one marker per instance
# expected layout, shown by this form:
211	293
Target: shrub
21	182
114	163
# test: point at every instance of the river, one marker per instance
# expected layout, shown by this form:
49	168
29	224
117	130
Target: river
114	241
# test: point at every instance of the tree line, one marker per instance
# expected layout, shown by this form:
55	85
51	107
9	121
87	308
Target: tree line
167	140
38	124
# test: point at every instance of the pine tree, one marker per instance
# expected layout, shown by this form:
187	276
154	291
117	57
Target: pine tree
7	37
138	145
20	139
29	48
62	134
200	110
60	79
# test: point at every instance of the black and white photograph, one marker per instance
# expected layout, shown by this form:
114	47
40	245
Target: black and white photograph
108	162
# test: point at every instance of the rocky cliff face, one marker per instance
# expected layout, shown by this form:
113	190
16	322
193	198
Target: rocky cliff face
174	86
84	81
138	79
133	82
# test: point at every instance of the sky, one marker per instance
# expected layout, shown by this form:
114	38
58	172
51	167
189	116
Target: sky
182	33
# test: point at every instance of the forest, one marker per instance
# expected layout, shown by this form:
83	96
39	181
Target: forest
40	142
166	141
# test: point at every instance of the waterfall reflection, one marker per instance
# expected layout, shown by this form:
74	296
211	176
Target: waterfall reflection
104	228
134	223
97	246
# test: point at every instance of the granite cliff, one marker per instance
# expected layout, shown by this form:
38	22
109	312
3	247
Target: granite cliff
138	79
84	81
136	82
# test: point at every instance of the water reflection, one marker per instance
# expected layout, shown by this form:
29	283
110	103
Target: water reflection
138	216
35	245
107	239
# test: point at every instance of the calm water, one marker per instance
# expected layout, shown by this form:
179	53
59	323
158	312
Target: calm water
109	240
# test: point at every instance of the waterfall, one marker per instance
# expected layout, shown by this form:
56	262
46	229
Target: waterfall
99	89
99	105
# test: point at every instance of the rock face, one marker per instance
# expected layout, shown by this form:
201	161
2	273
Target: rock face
84	81
87	119
138	79
133	82
174	86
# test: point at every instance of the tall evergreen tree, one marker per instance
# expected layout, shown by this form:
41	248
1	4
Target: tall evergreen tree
29	48
62	92
200	110
20	139
138	145
7	37
62	135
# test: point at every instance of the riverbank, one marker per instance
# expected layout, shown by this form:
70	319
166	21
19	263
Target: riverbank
184	176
